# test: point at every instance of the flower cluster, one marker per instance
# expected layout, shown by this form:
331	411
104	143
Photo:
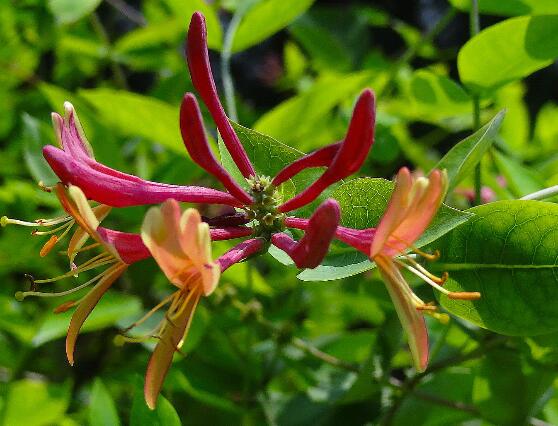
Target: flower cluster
180	243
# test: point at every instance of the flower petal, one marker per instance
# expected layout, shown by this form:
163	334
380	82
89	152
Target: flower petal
193	135
116	189
202	78
87	304
170	340
349	157
411	319
240	252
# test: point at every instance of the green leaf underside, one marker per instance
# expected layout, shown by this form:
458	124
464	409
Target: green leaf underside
508	51
510	7
461	160
363	202
507	252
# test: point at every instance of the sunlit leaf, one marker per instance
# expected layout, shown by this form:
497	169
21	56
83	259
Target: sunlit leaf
102	411
461	160
510	7
69	11
508	51
266	18
507	252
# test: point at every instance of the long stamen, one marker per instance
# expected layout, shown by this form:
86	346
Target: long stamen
5	221
433	277
49	245
51	231
83	249
150	313
20	295
105	261
452	295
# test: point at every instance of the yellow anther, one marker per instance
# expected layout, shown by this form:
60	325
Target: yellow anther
464	295
49	245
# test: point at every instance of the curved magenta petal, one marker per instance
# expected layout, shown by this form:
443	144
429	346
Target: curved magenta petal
319	158
116	189
202	78
240	252
193	135
313	246
350	155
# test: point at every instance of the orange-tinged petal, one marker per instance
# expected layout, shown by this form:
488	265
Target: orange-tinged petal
81	236
411	319
87	304
171	338
188	236
395	212
160	233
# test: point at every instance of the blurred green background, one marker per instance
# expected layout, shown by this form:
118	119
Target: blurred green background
265	348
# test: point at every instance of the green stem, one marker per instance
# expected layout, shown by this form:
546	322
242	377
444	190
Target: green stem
542	194
226	53
117	72
474	27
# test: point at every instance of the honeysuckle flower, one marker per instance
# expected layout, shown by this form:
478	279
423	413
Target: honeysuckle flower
75	164
412	206
181	245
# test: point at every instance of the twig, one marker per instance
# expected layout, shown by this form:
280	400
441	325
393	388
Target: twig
128	11
474	24
542	194
228	84
118	73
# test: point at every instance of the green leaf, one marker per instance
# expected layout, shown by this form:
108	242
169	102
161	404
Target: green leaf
510	7
325	49
292	120
435	98
70	11
34	133
111	308
500	371
507	252
519	179
35	403
163	415
102	411
363	202
137	115
461	160
265	18
508	51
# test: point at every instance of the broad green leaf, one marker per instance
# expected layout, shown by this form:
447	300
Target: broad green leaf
163	415
265	18
151	36
137	115
507	252
435	98
515	130
520	180
508	51
510	7
452	385
546	131
291	120
34	136
326	51
461	160
70	11
35	403
363	202
102	411
500	371
112	307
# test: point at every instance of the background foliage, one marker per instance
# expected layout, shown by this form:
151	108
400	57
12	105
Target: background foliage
268	348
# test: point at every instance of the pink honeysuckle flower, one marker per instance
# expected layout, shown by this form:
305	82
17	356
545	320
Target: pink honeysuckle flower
181	245
75	164
411	208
